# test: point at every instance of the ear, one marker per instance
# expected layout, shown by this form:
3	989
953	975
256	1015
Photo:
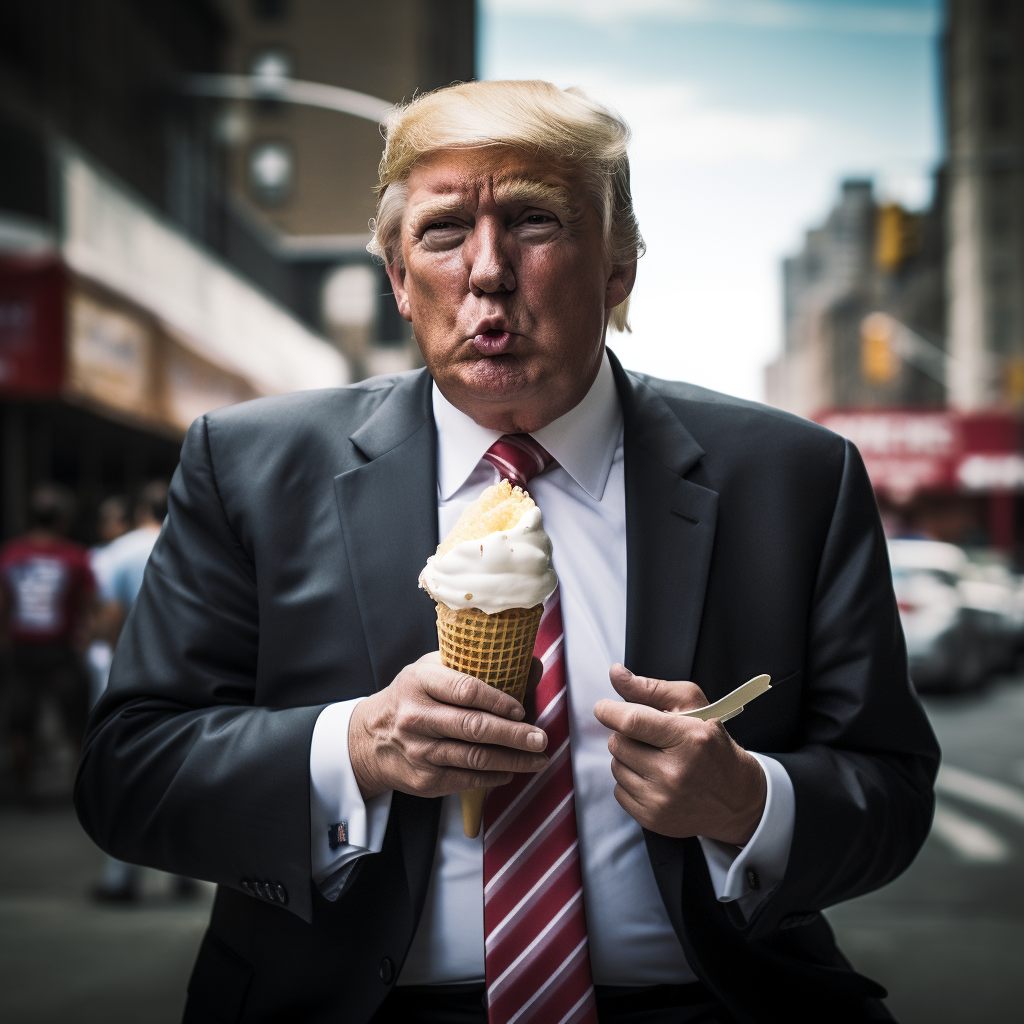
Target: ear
620	284
396	274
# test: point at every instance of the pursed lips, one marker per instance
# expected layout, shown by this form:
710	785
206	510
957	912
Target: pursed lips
493	342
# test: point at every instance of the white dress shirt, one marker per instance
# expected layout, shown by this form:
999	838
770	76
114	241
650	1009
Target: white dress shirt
631	938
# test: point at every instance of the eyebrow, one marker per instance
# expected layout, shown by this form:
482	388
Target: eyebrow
507	191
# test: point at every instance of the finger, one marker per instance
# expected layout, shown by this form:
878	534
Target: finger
632	806
451	687
639	722
475	726
663	694
641	757
632	782
456	780
482	758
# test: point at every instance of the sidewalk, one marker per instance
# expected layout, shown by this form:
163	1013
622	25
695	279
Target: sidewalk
63	957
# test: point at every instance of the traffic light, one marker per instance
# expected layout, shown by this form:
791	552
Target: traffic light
878	362
897	236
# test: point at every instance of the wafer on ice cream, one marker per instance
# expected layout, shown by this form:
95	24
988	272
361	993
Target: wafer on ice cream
490	577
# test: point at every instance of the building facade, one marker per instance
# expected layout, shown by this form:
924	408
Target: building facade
867	279
983	50
134	296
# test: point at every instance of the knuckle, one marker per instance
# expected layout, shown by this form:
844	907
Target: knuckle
675	776
463	689
474	725
406	718
476	758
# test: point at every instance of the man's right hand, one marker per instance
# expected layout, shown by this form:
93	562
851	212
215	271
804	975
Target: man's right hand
435	731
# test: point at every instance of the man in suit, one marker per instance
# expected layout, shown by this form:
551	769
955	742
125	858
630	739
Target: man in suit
279	722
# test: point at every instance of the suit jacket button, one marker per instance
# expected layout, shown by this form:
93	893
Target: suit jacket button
264	890
247	887
752	880
387	970
282	894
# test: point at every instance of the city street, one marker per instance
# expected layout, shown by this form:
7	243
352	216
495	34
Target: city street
946	938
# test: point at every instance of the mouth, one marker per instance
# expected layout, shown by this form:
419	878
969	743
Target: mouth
493	341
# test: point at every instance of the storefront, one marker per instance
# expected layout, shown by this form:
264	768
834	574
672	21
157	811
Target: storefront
115	339
951	476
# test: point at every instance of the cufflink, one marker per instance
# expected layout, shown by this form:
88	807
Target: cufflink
337	834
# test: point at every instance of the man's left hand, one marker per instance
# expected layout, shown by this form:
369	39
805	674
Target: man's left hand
679	776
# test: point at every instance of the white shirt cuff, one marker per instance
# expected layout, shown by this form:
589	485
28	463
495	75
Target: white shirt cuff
748	874
334	799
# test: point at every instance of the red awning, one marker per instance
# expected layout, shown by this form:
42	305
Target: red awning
906	451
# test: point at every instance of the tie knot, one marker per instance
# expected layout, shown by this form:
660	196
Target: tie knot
518	458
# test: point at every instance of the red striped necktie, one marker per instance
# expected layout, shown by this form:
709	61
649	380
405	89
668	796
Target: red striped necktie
536	958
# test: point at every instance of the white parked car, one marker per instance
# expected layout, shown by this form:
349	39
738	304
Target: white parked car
958	626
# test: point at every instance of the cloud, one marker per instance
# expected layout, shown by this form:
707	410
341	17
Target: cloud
768	14
672	124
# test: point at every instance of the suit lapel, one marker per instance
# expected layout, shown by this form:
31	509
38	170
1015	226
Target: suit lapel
670	532
388	510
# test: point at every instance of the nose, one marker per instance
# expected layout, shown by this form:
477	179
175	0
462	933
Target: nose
490	269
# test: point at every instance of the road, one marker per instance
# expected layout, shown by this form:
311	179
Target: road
946	938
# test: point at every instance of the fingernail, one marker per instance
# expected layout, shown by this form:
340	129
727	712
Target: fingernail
520	713
535	740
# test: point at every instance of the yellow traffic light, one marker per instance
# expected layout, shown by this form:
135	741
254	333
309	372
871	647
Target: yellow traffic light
877	360
1014	375
897	236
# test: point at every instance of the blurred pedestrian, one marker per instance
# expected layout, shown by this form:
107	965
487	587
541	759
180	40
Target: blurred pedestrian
113	520
46	595
121	566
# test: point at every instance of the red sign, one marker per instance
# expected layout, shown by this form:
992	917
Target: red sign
906	451
31	326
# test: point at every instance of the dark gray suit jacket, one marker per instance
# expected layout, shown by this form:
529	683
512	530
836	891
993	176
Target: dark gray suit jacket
285	579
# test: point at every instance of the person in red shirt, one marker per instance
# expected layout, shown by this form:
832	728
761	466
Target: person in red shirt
46	591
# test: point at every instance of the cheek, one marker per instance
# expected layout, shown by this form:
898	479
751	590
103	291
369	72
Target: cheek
557	279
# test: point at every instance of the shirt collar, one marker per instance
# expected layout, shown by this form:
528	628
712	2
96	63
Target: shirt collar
583	441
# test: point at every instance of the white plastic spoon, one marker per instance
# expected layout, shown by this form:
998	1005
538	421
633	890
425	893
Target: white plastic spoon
732	703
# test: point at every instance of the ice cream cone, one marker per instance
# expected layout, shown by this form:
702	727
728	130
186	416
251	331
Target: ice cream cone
496	648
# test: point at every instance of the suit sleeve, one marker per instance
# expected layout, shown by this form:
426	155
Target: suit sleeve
863	776
182	770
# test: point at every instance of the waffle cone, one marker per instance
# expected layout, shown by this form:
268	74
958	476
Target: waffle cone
496	648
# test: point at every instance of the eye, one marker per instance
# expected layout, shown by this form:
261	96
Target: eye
537	220
442	234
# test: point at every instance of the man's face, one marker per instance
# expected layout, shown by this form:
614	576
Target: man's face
506	284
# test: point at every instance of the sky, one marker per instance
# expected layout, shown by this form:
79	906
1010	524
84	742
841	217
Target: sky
746	116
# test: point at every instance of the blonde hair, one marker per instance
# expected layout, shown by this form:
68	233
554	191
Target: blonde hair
537	117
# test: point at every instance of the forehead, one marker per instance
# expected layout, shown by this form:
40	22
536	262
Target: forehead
494	171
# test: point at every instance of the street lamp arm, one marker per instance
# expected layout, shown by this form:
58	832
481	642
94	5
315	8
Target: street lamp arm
290	90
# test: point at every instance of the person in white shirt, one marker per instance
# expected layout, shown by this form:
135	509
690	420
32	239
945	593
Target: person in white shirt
279	673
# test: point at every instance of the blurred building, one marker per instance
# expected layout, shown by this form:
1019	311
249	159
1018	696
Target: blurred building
905	332
134	294
983	52
867	279
305	172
